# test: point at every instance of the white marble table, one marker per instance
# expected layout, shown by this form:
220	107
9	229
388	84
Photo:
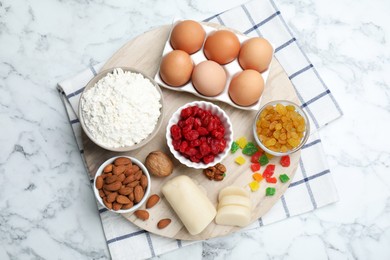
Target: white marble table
47	208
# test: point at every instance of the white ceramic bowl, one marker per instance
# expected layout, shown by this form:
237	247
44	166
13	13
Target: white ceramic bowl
144	170
305	134
215	110
92	82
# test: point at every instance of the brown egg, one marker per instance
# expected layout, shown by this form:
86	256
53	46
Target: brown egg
221	46
255	54
209	78
176	68
187	36
246	87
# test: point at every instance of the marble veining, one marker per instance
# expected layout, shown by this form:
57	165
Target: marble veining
47	208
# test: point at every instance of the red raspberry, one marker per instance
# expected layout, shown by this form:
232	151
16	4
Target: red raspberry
183	146
202	131
197	123
194	159
204	149
208	159
176	132
191	135
217	134
190	121
186	112
176	144
195	143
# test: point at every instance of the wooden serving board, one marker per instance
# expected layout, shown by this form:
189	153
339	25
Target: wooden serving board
144	54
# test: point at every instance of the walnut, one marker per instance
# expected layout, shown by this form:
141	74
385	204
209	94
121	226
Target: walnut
159	164
216	172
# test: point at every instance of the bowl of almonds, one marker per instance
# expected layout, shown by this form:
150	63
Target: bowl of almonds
122	184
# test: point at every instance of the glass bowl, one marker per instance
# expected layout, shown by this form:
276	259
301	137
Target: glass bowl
299	110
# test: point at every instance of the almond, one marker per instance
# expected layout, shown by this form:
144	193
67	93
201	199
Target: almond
105	175
133	184
116	206
101	193
122	199
106	192
128	206
142	214
99	182
118	169
144	181
113	186
152	201
131	170
129	179
121	177
107	204
131	196
122	161
164	223
138	175
108	168
138	193
111	179
111	197
125	191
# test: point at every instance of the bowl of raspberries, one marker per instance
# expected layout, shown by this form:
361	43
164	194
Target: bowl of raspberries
199	134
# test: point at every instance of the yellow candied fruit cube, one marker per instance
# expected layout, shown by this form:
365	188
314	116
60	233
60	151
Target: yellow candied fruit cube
257	177
241	142
281	109
240	160
283	149
254	185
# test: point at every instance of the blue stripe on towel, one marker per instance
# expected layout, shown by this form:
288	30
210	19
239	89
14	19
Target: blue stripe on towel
285	206
150	244
316	98
258	24
126	236
300	71
304	180
284	45
75	93
74	121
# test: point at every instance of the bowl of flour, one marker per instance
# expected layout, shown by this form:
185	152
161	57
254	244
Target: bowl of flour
121	109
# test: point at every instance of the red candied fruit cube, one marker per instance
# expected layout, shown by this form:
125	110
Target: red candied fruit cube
285	161
271	180
175	132
191	135
256	156
208	158
255	167
269	170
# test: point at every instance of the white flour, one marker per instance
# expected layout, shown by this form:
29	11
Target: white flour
121	109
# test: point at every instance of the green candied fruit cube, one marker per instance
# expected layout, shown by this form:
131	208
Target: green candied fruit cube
284	178
263	160
234	147
270	191
249	149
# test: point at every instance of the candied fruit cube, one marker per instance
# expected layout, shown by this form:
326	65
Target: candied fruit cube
284	178
254	185
234	147
270	191
240	160
257	177
249	149
241	142
263	160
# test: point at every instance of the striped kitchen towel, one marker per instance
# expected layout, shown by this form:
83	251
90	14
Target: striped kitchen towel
312	186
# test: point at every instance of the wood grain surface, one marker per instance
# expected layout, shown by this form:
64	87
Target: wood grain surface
144	54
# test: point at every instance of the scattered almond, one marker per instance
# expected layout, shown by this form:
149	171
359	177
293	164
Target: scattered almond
164	223
152	201
142	214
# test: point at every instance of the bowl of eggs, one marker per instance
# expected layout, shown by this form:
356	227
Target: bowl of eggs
281	127
215	64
